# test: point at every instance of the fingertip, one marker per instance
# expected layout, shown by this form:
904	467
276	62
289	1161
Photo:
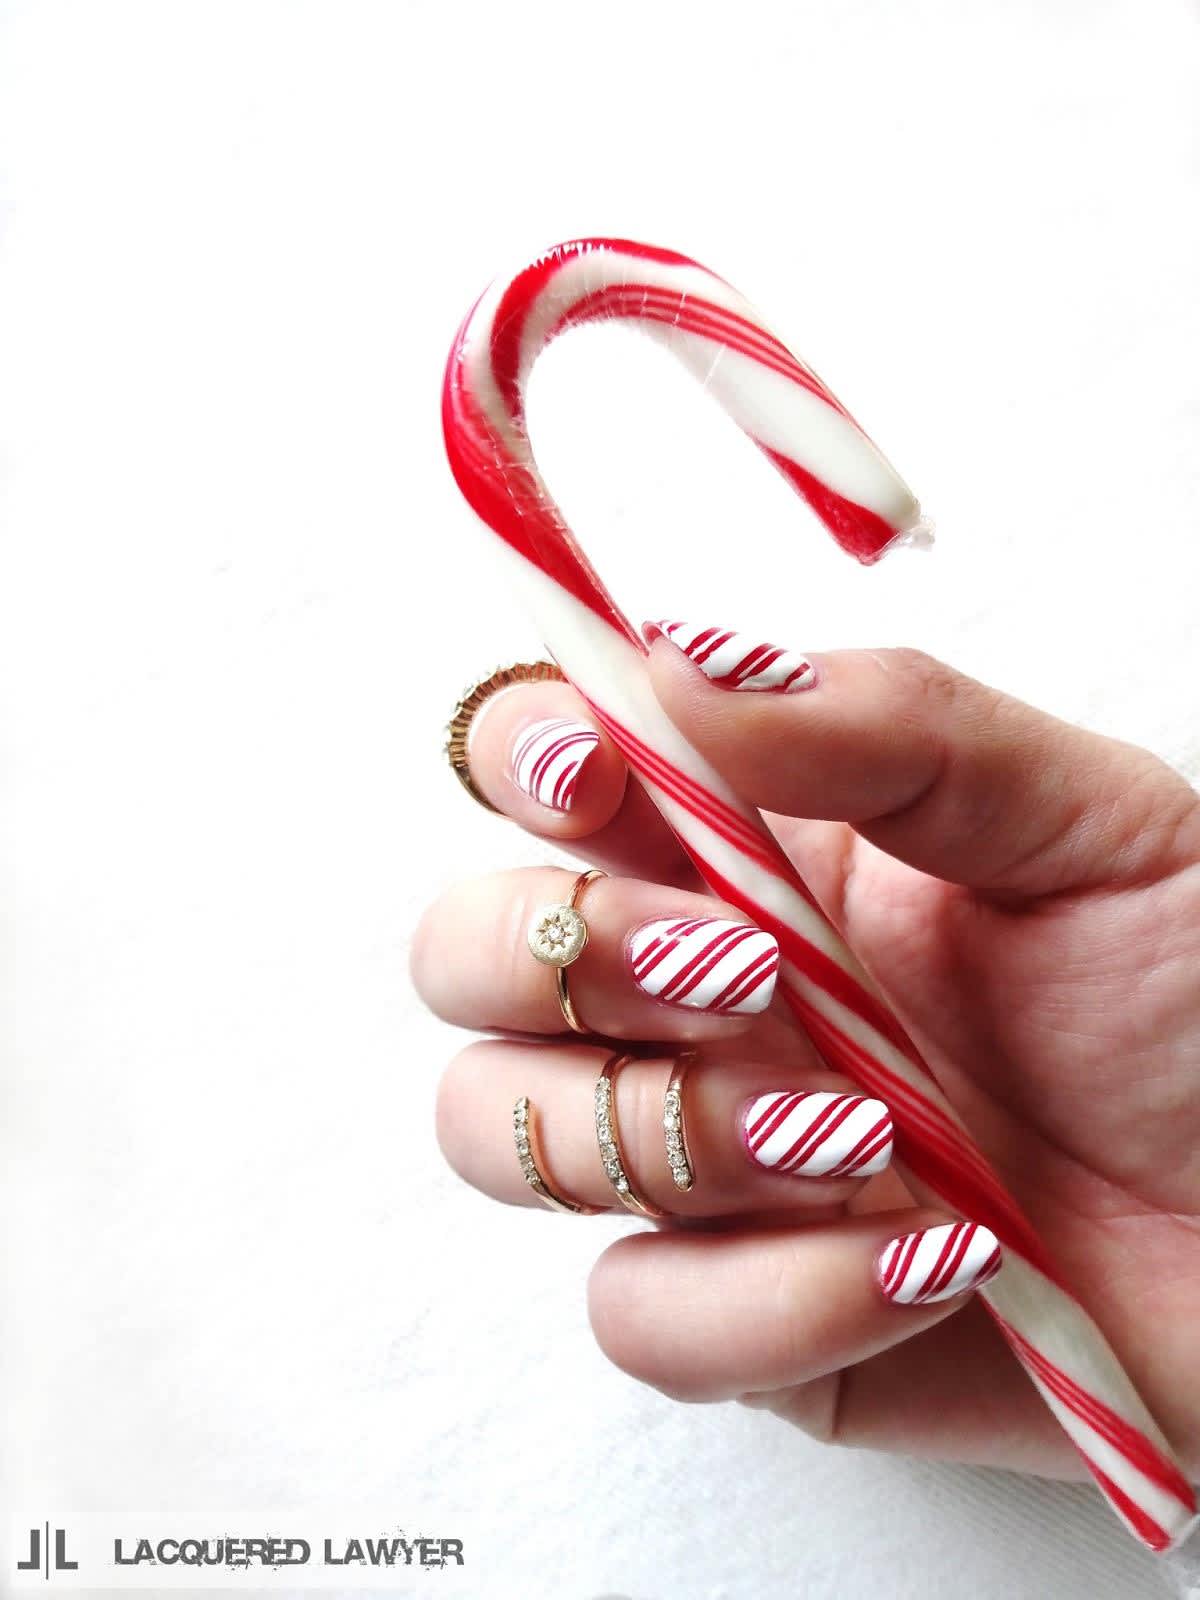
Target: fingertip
538	756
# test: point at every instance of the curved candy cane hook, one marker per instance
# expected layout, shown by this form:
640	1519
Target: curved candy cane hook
785	408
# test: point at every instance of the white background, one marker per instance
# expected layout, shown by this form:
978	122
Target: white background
238	595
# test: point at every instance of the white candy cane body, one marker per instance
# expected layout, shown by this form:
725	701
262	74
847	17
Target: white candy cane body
807	433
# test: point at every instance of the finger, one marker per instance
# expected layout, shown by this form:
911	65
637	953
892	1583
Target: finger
758	1138
658	964
954	1394
936	769
538	756
711	1317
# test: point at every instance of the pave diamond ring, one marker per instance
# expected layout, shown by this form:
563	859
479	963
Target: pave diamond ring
678	1154
557	935
609	1140
533	1163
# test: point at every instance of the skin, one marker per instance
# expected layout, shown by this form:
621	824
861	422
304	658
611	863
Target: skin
1027	896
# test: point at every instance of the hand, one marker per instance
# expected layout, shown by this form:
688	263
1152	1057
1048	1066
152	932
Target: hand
1026	895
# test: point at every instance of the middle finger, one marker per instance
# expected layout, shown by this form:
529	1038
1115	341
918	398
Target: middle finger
659	963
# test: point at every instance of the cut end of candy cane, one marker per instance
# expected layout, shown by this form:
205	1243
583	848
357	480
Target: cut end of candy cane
921	536
1179	1536
773	396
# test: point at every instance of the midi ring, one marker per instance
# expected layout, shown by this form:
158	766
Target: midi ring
533	1163
458	729
556	936
609	1139
682	1171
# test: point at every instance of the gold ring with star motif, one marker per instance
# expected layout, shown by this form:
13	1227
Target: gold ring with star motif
557	936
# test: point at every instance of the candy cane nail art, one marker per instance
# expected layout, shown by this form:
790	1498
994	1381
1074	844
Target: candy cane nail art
707	963
932	1265
734	661
548	758
818	1135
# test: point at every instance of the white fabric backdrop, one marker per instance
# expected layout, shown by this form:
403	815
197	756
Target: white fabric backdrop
238	596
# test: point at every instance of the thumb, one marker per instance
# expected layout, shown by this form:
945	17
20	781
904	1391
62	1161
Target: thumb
938	770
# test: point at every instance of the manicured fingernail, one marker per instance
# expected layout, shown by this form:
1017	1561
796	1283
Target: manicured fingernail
733	660
932	1265
706	963
812	1134
548	758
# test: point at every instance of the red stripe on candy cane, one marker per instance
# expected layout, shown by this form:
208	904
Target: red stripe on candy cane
841	985
699	317
866	507
1148	1531
1114	1429
707	807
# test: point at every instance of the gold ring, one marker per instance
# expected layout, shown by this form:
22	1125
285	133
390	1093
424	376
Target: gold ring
678	1154
557	935
609	1139
529	1154
459	727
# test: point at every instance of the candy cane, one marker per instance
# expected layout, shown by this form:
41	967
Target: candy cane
790	414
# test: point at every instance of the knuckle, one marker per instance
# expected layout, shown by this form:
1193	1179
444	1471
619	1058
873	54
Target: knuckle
454	1124
925	680
627	1316
1159	813
815	1408
421	965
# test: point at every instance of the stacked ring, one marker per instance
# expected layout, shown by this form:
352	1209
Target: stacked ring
612	1156
609	1139
678	1155
533	1163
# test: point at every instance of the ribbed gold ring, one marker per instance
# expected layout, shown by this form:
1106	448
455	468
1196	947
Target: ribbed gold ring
458	729
557	936
609	1139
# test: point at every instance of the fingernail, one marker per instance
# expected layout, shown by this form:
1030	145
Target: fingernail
733	660
932	1265
811	1134
548	757
706	963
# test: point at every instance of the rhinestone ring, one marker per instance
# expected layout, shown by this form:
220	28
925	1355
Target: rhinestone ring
533	1163
557	936
609	1140
682	1171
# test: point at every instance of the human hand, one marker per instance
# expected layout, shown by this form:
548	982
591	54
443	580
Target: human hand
1028	898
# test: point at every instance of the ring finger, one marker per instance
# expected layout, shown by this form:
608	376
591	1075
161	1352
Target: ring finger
758	1139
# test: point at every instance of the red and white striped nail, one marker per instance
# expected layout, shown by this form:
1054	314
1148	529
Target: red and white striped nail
921	1268
548	757
734	661
707	963
813	1134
